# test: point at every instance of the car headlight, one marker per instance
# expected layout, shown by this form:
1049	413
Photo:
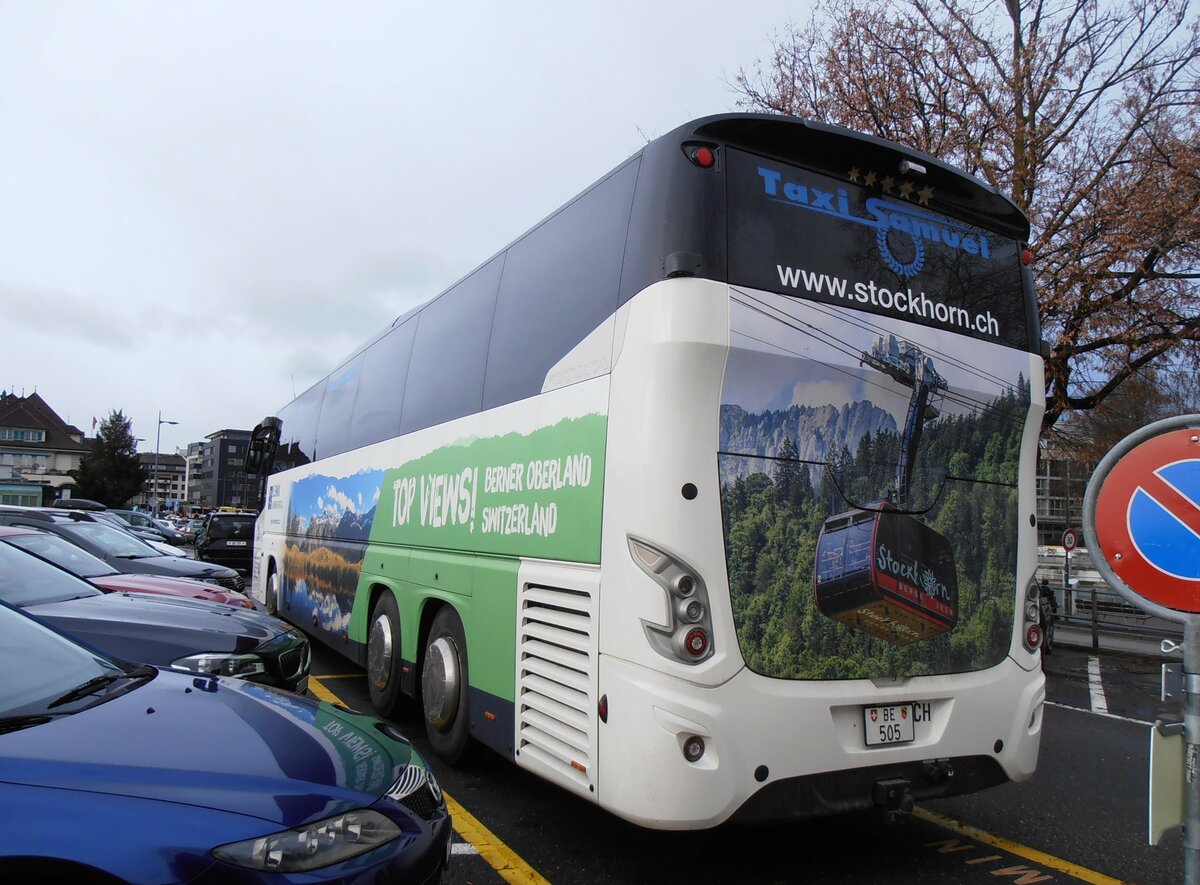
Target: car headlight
319	844
221	664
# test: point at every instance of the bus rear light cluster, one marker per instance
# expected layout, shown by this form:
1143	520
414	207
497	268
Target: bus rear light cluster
1032	612
687	636
702	155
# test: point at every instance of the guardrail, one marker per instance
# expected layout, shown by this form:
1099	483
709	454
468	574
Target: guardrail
1103	611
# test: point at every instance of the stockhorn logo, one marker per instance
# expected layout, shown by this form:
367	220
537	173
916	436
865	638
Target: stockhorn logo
883	215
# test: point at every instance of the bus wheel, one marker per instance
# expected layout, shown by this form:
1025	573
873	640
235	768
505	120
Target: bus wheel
272	603
383	655
444	686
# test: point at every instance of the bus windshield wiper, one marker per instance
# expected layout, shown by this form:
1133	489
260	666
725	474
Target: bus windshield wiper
90	687
16	723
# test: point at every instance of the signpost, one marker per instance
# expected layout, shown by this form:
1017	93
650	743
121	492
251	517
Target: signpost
1142	513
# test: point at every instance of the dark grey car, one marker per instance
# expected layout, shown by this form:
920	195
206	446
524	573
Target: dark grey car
184	634
170	534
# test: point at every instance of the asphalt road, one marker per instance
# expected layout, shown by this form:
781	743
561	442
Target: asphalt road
1082	818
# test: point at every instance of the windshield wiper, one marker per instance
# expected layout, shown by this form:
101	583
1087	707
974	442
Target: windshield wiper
90	687
15	723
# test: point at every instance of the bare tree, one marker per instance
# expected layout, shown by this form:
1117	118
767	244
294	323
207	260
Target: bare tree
1087	114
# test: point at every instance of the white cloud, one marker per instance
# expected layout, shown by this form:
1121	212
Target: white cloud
339	502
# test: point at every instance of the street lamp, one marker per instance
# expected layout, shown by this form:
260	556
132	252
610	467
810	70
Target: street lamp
154	475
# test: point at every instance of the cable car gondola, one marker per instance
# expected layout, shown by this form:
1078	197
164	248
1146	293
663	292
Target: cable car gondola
879	569
886	573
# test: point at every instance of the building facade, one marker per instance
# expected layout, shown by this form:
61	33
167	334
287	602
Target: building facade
166	482
1061	485
38	449
217	475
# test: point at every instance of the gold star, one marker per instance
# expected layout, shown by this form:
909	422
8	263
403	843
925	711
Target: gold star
854	175
906	189
869	180
888	183
925	193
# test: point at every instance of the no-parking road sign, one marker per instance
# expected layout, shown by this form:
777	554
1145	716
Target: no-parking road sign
1142	512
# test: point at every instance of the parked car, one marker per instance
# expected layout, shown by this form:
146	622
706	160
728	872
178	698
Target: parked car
145	521
146	534
191	528
82	564
116	772
166	631
119	549
227	538
78	504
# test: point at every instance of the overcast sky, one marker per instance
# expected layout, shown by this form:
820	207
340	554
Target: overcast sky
205	205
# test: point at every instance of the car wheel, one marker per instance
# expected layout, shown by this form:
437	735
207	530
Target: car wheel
383	655
444	683
272	602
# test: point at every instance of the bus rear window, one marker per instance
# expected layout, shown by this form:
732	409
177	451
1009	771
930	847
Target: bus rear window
872	244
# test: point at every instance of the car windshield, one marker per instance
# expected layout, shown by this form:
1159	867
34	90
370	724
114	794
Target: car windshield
114	542
65	671
62	553
27	580
225	527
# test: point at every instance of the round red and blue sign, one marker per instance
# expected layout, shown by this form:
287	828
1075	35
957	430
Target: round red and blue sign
1144	506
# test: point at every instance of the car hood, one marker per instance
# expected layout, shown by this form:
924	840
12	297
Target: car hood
174	566
217	743
188	588
159	629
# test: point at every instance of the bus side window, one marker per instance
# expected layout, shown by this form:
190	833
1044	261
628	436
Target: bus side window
333	427
298	433
561	281
381	387
445	375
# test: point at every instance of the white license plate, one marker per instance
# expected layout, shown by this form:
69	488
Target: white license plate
235	543
892	724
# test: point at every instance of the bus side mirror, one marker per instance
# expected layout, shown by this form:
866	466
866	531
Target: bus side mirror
264	439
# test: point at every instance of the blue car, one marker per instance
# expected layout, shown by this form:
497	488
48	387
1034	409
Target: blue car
111	771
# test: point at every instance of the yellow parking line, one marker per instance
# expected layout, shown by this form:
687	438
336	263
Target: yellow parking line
321	693
502	859
1031	854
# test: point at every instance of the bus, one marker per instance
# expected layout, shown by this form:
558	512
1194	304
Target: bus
709	498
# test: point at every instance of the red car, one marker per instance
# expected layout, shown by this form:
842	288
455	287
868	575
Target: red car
79	562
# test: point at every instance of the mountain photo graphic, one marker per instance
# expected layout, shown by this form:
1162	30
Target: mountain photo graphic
329	523
911	438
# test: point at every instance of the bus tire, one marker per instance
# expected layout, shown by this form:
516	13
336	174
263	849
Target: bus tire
271	605
444	686
383	655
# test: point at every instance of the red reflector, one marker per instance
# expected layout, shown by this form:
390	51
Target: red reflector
1026	257
603	708
1033	636
696	642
